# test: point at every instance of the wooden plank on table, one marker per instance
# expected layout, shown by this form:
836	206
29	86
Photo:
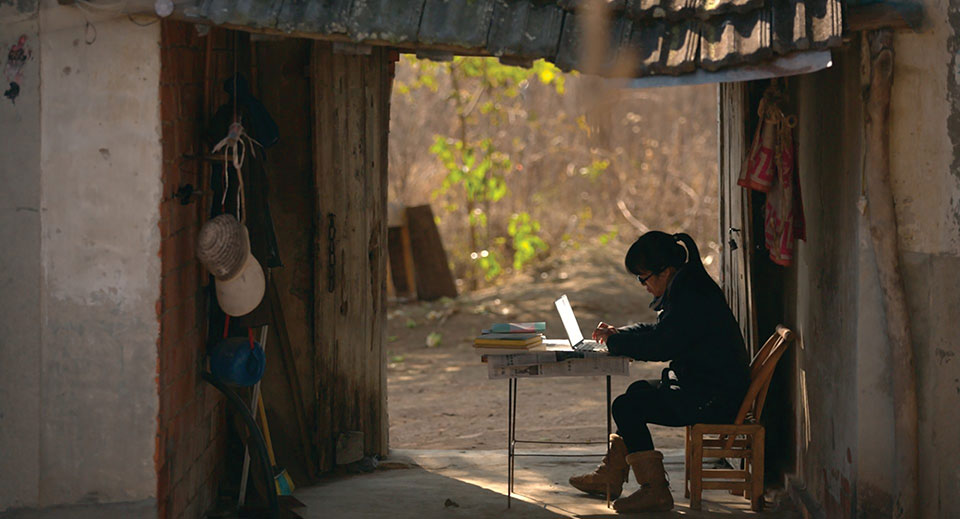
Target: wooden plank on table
434	279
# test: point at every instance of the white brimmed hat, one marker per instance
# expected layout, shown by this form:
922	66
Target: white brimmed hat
223	247
242	293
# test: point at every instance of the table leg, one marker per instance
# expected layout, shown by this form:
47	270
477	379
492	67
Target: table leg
509	439
609	414
513	435
609	431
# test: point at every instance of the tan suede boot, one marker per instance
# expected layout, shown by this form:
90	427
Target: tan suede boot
654	493
613	471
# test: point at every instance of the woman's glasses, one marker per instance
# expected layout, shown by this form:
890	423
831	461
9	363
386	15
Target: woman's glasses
643	279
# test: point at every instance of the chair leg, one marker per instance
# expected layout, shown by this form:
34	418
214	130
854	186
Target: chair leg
686	464
696	470
756	472
746	465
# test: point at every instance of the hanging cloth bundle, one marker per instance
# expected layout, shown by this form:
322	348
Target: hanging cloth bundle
770	167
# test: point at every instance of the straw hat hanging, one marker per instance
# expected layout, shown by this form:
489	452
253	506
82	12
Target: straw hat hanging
224	249
222	246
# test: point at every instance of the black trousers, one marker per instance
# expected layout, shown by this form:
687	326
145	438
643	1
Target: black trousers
662	403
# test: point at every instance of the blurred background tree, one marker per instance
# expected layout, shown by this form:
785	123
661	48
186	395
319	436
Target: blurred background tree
523	174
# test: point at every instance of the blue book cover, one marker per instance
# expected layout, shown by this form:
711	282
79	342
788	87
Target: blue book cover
532	327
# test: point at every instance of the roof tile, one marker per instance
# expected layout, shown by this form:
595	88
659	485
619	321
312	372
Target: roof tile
387	20
525	29
459	23
658	36
735	39
313	16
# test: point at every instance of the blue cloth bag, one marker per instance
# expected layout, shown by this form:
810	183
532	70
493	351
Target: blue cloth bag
233	361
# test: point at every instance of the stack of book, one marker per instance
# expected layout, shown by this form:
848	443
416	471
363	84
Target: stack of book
510	338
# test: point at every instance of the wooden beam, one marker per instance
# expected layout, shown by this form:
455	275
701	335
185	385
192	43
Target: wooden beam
885	15
402	46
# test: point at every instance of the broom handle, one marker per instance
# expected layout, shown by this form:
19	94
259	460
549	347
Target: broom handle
266	432
254	400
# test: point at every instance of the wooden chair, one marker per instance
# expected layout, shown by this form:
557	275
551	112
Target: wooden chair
741	440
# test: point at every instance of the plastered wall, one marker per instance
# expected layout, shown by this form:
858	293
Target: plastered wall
845	416
82	146
827	265
20	269
925	163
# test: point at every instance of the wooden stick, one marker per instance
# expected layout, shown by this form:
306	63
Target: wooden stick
292	376
254	401
883	231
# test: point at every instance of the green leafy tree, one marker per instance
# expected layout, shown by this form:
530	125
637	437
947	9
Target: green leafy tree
474	164
526	239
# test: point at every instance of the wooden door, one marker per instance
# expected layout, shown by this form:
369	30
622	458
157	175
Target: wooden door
351	99
735	209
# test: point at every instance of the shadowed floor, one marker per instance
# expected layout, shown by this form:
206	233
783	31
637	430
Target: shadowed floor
447	483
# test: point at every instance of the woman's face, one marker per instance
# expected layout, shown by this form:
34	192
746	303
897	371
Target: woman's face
657	283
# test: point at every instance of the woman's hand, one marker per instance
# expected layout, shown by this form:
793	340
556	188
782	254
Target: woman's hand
603	332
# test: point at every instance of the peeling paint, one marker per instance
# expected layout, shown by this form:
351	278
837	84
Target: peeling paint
944	356
17	58
925	172
953	96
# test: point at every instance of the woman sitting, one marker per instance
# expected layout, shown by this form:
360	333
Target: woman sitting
706	381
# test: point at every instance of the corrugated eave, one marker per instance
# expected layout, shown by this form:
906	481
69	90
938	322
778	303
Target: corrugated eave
647	37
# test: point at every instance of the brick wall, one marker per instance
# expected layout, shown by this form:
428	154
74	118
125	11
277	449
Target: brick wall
191	426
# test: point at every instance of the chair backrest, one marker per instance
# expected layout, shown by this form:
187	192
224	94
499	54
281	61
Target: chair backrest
761	372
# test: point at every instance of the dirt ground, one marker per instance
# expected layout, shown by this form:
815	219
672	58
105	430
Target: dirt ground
439	397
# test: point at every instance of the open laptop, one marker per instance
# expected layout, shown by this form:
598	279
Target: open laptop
572	327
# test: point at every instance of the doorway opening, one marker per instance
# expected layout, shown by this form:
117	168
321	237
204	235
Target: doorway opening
539	181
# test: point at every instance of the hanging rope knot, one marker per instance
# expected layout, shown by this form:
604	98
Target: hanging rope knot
234	147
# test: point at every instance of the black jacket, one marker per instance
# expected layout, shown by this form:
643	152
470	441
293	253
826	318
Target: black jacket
697	333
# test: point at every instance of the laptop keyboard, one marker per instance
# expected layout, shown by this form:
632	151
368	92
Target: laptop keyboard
591	346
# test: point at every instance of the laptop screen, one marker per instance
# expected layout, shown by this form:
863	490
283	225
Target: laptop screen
569	321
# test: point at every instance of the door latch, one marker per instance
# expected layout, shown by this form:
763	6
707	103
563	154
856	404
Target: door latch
733	243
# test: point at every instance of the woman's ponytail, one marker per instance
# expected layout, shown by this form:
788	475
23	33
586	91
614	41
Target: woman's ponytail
693	253
655	251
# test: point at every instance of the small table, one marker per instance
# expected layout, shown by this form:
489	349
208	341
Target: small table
557	360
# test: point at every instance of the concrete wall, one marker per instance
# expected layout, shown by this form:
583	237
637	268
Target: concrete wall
826	271
20	270
845	417
80	397
925	153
